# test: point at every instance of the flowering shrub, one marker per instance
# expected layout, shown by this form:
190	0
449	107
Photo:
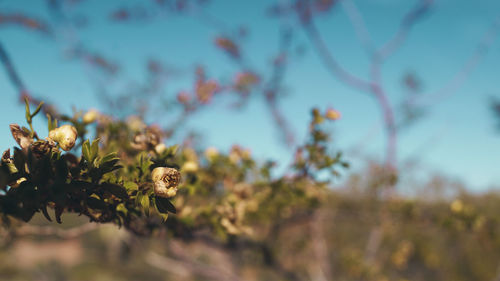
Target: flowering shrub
128	176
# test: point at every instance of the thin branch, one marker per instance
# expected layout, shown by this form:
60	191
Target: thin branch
459	78
11	71
411	18
330	62
359	25
54	231
184	265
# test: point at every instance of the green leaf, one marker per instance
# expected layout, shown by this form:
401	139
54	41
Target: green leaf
109	157
121	208
45	213
52	124
163	205
144	201
95	203
19	160
58	212
164	217
116	190
37	109
86	151
94	149
90	151
173	149
144	164
130	185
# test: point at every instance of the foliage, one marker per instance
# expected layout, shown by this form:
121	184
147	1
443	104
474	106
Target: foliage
120	177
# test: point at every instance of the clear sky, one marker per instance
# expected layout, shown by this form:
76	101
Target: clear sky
464	143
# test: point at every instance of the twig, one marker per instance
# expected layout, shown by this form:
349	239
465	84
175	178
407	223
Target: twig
53	231
359	25
184	265
459	78
330	62
412	17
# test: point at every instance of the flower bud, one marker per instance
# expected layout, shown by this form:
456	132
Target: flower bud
160	148
135	123
211	153
166	181
190	167
332	114
246	154
65	136
457	206
90	116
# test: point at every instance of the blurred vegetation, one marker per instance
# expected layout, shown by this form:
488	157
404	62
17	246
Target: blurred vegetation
129	207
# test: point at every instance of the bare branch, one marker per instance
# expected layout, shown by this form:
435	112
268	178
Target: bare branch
412	17
459	78
330	62
359	25
54	231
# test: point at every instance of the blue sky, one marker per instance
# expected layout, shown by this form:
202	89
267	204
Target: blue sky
466	145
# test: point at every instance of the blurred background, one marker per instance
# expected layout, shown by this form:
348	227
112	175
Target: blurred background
414	82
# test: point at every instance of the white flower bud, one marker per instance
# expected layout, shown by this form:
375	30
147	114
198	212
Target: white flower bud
65	136
160	148
211	153
332	114
90	116
166	181
190	167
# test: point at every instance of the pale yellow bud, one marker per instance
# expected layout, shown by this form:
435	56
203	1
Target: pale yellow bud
457	206
166	181
246	154
234	157
211	153
135	123
90	116
190	167
332	114
65	136
160	148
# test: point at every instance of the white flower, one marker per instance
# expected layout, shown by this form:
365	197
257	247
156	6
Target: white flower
65	136
166	181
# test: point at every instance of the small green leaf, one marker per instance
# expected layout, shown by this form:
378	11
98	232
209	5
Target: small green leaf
145	203
95	203
37	109
121	208
58	210
164	217
116	190
94	149
45	213
86	151
19	160
163	205
130	185
173	149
